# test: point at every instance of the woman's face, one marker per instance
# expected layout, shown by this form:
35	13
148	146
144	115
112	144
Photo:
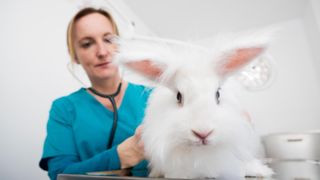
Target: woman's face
92	34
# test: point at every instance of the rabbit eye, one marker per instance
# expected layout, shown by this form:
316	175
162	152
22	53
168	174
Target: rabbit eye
179	98
218	96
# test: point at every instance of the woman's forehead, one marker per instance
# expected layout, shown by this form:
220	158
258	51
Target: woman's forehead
93	24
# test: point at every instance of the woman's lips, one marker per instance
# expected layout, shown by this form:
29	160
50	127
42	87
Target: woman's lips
105	64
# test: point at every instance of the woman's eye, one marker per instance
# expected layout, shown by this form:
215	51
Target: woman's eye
218	96
107	40
86	45
179	98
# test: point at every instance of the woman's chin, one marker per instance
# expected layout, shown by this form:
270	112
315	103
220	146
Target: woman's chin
106	75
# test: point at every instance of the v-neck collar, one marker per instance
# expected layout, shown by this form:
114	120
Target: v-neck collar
92	98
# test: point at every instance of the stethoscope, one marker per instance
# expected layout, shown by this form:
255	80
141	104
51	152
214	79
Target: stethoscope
115	111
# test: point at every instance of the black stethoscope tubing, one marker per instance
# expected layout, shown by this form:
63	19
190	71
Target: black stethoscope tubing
115	111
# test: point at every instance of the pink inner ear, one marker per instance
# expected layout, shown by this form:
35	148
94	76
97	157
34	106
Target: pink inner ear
240	58
145	67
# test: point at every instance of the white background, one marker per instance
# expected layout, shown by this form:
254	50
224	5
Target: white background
33	60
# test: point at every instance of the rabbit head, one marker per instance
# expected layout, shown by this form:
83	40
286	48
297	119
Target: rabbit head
191	111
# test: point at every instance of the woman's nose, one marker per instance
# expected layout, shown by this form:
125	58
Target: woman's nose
102	50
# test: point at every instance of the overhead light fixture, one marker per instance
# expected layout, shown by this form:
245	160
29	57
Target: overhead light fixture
259	74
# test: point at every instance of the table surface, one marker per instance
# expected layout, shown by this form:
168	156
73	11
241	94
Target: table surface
93	177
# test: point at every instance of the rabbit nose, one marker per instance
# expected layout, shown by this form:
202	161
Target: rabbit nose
202	135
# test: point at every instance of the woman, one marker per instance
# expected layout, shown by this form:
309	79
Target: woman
84	132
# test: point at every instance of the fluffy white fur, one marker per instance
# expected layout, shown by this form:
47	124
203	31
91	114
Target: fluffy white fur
197	73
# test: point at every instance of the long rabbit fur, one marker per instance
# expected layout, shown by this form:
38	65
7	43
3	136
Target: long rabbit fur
193	125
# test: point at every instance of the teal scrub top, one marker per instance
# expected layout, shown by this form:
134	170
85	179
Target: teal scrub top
79	125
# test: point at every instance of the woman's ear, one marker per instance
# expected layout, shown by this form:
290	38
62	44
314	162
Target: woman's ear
76	60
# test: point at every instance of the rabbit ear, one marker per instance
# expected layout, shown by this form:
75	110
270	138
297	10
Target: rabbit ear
146	68
146	56
237	59
243	48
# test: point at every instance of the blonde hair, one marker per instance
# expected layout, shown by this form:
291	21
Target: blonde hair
80	14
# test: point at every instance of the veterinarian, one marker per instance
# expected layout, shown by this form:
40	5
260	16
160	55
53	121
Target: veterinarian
95	129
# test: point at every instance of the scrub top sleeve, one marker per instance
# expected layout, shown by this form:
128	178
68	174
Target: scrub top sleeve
107	160
114	158
60	138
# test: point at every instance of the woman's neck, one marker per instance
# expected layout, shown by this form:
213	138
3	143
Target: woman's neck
108	86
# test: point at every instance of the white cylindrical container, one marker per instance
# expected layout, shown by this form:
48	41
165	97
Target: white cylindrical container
294	156
290	146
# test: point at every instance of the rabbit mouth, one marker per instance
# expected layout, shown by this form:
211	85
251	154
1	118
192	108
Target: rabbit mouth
209	142
201	143
204	142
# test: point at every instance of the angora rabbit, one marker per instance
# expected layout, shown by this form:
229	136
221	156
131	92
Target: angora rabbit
193	127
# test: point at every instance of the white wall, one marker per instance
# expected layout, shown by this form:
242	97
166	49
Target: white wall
311	20
291	103
33	72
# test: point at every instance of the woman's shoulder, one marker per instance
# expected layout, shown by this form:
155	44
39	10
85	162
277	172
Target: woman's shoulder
139	89
63	108
70	99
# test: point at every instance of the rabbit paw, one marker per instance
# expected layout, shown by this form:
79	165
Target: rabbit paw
257	169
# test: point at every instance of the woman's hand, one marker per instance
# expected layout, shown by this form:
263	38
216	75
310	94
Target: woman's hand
131	151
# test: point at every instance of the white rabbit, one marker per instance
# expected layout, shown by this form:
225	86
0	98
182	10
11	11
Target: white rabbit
193	127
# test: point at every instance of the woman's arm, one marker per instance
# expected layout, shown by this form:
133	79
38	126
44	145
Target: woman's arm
70	164
125	155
